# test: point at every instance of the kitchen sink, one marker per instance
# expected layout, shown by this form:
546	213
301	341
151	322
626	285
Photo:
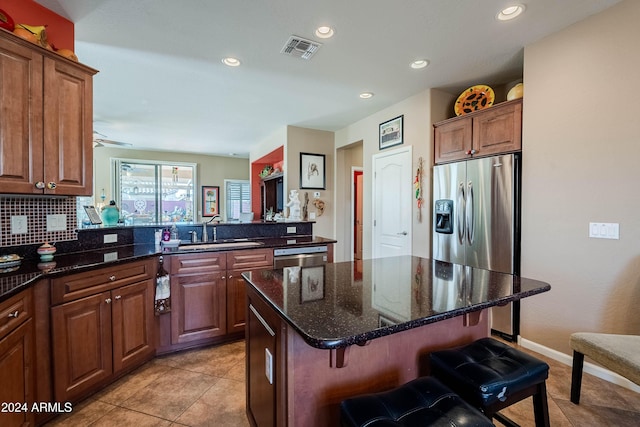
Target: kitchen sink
219	245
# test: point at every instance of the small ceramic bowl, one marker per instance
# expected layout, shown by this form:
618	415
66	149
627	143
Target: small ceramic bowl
46	252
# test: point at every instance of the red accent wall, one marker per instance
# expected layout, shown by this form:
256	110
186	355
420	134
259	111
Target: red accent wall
274	158
60	31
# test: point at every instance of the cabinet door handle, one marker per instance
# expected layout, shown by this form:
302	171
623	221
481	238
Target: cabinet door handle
117	297
230	276
40	185
52	185
112	278
14	315
108	300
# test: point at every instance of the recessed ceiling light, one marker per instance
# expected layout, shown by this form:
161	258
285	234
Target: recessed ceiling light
510	12
231	62
420	63
366	95
324	32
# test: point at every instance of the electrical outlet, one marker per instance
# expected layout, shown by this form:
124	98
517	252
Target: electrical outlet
268	365
110	238
19	224
56	222
111	256
312	216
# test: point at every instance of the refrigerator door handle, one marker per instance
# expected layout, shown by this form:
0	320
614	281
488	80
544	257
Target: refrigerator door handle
460	214
469	213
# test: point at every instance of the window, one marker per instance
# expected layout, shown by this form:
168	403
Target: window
238	195
152	191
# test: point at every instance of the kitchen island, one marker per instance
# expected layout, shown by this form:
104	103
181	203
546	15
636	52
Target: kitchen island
317	335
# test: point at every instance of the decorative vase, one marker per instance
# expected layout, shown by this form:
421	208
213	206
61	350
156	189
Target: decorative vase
110	214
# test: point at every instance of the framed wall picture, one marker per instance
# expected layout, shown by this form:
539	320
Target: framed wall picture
312	171
312	284
210	200
391	132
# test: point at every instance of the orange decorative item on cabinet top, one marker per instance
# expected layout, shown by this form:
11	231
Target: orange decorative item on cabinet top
475	98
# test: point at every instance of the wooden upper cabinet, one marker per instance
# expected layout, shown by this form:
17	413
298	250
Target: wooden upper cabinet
21	104
452	140
482	133
46	125
68	128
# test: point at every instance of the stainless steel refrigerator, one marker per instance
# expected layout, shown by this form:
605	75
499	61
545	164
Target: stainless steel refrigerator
476	222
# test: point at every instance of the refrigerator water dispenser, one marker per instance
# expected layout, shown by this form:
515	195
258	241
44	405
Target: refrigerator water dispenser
444	216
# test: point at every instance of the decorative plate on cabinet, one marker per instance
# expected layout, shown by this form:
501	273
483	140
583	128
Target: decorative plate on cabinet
473	99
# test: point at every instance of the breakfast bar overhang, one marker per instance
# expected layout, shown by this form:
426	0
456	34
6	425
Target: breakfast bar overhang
317	335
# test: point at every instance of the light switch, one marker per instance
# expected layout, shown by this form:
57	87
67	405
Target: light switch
604	230
56	222
19	224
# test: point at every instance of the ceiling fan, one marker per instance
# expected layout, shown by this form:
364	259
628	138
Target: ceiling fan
99	140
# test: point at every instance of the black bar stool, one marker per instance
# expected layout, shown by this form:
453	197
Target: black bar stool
421	402
491	375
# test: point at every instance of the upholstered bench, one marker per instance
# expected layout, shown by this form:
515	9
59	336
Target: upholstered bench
420	402
491	375
618	353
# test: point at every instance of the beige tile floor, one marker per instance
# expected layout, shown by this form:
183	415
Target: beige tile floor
206	388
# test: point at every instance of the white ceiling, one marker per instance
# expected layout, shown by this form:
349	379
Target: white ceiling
162	85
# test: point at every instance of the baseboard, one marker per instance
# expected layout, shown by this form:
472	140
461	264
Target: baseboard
589	368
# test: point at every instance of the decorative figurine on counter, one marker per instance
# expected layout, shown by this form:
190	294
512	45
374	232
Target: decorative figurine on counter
46	252
305	207
319	204
294	206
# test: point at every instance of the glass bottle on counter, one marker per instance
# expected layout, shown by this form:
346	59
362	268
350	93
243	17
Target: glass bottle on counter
163	290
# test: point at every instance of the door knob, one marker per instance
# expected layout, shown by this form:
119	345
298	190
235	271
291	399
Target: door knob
404	233
52	185
108	300
117	297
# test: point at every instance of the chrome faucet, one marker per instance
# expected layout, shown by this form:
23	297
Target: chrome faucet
205	236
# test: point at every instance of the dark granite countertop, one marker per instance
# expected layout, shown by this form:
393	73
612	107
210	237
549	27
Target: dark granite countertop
15	279
340	304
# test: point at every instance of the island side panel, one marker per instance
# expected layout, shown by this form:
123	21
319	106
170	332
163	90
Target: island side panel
315	388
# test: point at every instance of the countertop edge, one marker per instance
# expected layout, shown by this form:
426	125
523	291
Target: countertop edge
361	339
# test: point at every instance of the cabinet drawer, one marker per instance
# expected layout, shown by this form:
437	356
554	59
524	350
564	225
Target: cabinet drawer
238	260
14	311
80	285
198	263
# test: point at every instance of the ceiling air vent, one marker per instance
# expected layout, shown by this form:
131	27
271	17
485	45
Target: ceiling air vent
300	48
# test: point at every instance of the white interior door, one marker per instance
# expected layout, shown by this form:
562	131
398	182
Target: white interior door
392	198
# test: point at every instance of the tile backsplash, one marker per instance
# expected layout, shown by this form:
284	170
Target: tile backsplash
36	209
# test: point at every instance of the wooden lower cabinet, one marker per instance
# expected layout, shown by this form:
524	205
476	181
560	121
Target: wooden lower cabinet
16	361
197	307
236	304
207	297
81	345
98	337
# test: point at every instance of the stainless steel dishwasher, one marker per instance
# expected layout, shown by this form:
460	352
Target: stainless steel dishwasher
305	256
